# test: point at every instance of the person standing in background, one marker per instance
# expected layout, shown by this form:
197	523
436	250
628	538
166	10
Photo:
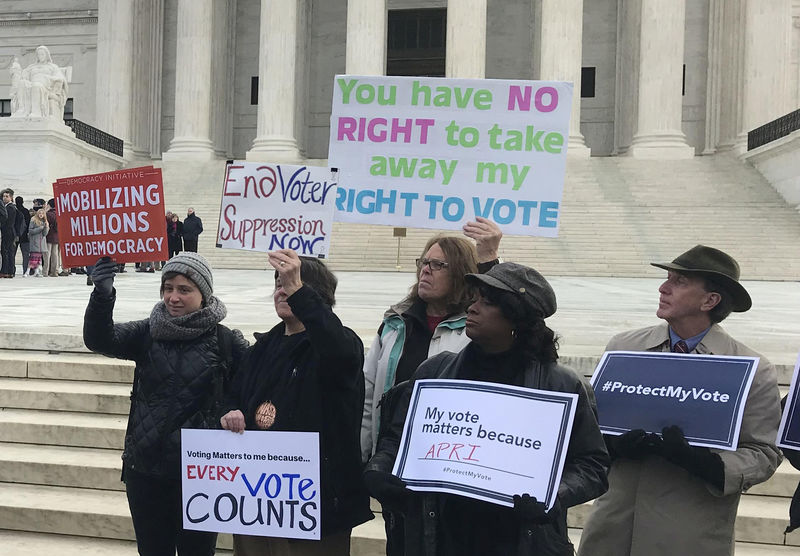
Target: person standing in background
51	268
174	235
37	232
8	247
24	245
192	228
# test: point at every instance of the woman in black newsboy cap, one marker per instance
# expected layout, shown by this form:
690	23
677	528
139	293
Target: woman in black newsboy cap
511	344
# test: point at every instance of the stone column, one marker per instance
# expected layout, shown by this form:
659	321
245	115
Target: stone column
767	43
275	136
561	45
146	86
658	130
366	37
714	75
192	139
115	24
466	39
222	77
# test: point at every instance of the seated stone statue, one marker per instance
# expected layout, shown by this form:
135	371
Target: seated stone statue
40	91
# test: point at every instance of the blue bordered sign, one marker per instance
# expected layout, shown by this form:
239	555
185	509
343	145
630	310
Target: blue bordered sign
704	395
484	440
789	431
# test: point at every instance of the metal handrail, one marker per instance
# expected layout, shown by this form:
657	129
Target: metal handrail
773	130
94	136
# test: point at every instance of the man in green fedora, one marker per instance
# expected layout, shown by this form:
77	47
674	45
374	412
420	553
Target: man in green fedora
666	497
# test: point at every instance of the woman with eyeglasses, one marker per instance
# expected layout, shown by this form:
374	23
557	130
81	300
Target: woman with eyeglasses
430	320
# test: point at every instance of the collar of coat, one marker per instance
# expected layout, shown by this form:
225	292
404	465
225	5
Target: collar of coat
716	341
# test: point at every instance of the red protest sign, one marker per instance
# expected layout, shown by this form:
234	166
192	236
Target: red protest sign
117	214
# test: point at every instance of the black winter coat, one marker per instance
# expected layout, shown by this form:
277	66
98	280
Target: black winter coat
175	388
583	478
26	216
9	227
192	227
329	386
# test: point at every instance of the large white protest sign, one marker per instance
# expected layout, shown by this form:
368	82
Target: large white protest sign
433	153
260	483
484	440
277	206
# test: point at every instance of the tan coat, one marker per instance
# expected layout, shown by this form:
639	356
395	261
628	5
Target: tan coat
655	508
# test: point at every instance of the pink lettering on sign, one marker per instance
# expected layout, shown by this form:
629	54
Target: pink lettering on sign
545	99
381	130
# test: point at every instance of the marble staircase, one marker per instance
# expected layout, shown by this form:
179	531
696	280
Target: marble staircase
618	214
62	421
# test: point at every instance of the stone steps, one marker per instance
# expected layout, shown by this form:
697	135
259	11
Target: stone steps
99	514
62	423
63	395
760	519
20	543
62	428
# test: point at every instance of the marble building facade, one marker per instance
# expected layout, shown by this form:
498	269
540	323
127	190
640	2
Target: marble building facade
176	79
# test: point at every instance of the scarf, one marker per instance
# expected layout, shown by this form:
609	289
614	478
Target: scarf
163	326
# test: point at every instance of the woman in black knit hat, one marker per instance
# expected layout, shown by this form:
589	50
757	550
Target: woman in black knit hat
185	361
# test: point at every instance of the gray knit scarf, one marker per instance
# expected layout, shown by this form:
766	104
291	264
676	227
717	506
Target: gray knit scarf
163	326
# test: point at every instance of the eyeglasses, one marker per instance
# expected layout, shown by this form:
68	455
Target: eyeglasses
433	264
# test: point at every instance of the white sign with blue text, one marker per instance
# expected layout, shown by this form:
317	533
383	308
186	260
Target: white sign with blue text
429	152
789	430
704	395
263	483
268	206
485	441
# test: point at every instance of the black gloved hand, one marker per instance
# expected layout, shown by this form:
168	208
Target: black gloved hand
697	460
530	510
634	444
103	276
387	489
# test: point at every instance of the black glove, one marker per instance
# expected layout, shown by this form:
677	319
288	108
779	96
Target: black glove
530	510
103	276
387	489
634	444
697	460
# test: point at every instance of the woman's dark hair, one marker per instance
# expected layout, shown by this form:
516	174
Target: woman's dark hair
721	310
462	259
315	274
532	337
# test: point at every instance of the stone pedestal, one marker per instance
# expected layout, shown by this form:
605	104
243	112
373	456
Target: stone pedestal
34	154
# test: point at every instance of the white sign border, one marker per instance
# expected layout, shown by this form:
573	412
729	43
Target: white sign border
744	389
792	400
567	400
